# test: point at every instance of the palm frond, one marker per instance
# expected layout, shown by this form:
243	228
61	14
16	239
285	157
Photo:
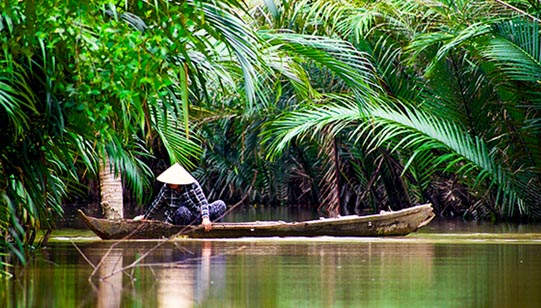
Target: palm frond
340	57
446	42
224	24
16	100
421	133
462	92
517	50
169	127
515	53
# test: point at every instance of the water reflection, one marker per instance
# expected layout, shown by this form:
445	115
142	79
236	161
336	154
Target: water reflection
110	287
184	284
329	274
322	272
173	274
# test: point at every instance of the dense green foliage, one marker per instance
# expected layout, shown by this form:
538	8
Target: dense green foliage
406	102
83	82
453	118
349	106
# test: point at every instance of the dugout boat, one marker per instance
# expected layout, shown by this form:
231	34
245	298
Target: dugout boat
391	223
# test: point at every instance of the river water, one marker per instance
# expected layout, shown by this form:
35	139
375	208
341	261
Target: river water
446	264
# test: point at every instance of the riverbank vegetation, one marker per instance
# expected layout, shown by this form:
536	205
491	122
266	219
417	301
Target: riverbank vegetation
345	106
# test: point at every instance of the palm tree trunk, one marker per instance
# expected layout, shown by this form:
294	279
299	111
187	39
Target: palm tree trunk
330	182
110	192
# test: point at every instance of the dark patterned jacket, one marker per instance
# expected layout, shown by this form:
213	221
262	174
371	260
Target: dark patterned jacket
190	196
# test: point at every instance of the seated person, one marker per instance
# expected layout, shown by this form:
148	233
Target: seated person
186	203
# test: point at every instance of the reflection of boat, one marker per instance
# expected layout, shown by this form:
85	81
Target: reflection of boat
385	224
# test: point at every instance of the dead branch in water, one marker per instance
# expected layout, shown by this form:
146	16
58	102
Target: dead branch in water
163	264
137	261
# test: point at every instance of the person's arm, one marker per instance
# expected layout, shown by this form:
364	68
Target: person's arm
154	206
203	205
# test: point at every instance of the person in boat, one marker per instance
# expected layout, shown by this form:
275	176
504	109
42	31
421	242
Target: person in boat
184	199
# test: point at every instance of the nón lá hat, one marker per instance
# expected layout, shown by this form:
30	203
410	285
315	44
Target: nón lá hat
176	174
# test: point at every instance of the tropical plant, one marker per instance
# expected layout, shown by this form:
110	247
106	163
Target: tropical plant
302	67
454	102
90	84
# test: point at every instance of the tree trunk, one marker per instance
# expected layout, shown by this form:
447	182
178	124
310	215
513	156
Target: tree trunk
110	192
330	181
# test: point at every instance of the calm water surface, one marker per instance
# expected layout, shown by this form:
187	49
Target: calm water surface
447	264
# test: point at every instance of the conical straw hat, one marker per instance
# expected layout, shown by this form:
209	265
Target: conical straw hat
176	174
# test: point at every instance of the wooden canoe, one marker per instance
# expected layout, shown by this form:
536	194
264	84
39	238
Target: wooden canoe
396	223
